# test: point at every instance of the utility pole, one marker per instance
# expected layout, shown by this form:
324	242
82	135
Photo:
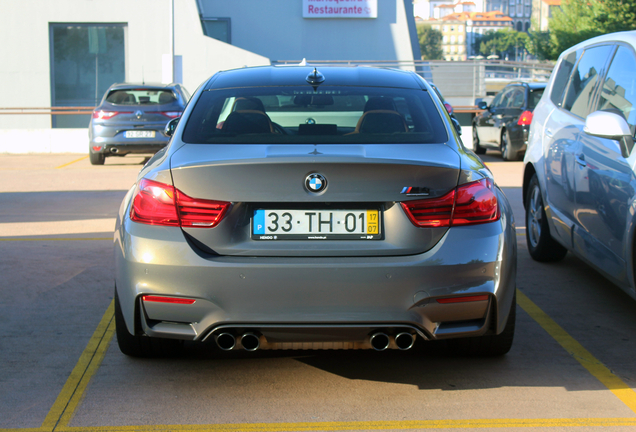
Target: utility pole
172	39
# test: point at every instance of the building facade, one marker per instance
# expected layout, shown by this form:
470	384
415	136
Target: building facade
542	12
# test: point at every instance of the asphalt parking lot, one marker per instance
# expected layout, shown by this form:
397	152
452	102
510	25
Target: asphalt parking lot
572	366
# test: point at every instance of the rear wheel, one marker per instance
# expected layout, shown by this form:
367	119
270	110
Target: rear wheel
506	152
140	345
541	245
96	158
488	345
476	147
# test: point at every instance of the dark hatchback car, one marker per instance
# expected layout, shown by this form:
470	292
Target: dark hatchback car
131	117
505	123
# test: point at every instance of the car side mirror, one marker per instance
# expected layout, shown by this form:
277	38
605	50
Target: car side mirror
482	105
171	126
458	127
604	124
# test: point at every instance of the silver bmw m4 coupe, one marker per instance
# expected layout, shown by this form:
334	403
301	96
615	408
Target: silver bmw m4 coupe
315	208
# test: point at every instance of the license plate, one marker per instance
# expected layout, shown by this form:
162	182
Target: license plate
139	134
316	225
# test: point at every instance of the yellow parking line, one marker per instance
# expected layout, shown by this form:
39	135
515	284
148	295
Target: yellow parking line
67	401
54	239
621	390
70	163
369	425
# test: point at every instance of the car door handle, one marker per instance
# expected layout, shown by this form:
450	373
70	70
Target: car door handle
581	161
549	133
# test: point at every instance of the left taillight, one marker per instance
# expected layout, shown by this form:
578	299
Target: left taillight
469	204
157	203
105	115
525	118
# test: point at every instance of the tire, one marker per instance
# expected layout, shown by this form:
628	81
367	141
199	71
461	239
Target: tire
476	147
140	345
96	158
487	345
541	245
506	153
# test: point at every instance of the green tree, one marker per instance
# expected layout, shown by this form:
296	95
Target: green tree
577	21
430	42
504	43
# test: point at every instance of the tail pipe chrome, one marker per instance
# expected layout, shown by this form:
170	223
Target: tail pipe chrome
250	341
380	341
404	341
226	341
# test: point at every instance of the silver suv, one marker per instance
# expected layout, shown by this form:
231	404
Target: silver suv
579	184
131	118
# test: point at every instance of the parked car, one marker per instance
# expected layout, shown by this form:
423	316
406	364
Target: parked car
131	118
315	209
579	183
504	124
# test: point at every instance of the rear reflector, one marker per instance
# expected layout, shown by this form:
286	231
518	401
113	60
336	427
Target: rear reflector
525	118
161	204
173	300
97	148
469	204
462	299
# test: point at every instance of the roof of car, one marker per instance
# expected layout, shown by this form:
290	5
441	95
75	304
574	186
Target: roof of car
531	85
297	75
626	36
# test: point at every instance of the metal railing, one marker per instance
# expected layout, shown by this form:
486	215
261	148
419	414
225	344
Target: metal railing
48	111
467	80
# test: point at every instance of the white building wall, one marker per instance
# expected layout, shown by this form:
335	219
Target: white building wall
277	30
25	50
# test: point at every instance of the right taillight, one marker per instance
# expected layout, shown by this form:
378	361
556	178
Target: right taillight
469	204
525	118
157	203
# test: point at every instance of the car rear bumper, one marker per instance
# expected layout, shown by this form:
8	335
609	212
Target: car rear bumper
322	299
129	148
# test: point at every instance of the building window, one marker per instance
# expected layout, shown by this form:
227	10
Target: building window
85	60
444	29
461	28
217	28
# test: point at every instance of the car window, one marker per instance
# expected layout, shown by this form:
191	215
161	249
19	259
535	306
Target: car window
534	96
562	77
619	89
141	97
584	79
516	98
302	115
497	100
503	101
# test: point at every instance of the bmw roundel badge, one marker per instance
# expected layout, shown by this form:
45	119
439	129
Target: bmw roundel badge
315	183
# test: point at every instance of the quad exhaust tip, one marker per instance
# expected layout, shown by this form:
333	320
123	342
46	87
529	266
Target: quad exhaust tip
250	341
404	341
379	341
226	341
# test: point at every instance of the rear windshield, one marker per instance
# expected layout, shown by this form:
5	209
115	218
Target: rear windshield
535	96
141	97
302	115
